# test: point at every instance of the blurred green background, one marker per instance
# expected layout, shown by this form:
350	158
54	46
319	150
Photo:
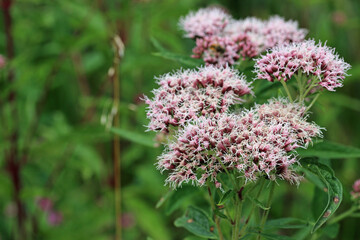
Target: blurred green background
61	92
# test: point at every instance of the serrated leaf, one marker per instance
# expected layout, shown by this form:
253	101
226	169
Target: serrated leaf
331	150
224	198
196	222
133	137
257	203
334	189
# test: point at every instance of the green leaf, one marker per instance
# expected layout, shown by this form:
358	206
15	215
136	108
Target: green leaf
183	59
286	223
257	202
334	189
178	197
196	222
331	150
331	230
133	137
163	199
224	198
217	212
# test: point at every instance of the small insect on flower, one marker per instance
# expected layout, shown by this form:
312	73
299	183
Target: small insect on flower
204	22
317	62
188	94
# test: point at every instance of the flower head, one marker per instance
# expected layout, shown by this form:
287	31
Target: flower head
313	60
255	143
223	51
278	31
204	22
356	190
189	94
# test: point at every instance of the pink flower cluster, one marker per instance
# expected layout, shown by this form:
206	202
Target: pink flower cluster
221	40
254	143
204	22
314	60
188	94
226	50
356	190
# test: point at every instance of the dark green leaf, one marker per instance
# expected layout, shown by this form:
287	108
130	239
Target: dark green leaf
334	189
224	198
330	150
220	214
178	197
331	230
286	223
257	202
196	222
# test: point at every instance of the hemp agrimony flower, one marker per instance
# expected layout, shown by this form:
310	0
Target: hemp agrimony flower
258	142
319	63
189	94
204	22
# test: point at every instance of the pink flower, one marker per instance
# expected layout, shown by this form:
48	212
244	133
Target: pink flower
189	94
224	51
356	190
55	218
313	60
45	204
278	31
255	143
2	61
204	22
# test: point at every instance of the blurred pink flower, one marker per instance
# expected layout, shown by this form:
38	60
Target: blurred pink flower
189	94
55	218
356	190
45	204
313	60
204	22
2	61
255	143
127	220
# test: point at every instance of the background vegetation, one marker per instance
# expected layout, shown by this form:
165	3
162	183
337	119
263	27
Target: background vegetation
53	143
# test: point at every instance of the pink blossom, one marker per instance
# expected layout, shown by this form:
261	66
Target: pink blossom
257	142
223	51
55	218
356	189
204	22
189	94
2	61
45	204
310	59
278	31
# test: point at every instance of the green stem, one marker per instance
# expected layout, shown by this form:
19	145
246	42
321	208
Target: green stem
300	85
312	102
268	205
227	172
236	226
344	215
213	206
243	229
286	89
311	86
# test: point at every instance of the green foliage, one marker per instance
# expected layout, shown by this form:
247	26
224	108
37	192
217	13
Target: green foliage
197	222
334	189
